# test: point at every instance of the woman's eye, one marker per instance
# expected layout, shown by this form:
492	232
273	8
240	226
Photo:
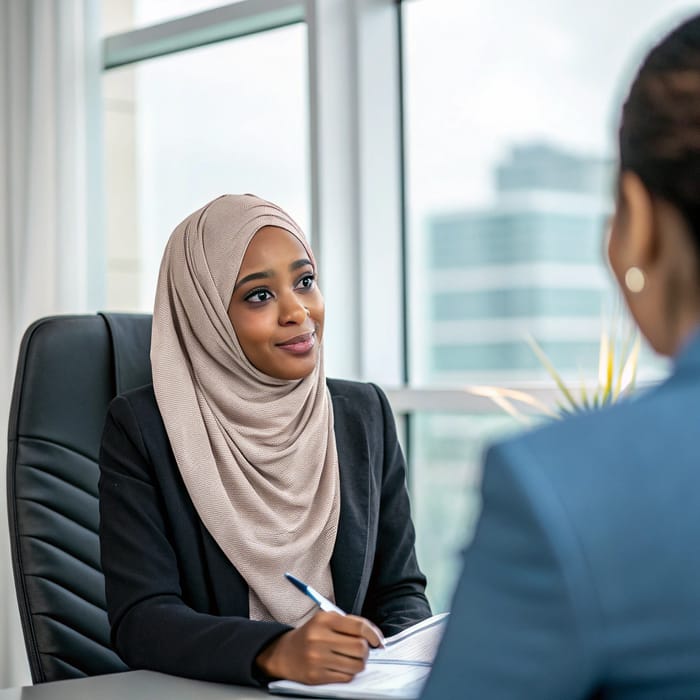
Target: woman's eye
307	282
258	296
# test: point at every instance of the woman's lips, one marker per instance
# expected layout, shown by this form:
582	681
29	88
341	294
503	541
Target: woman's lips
299	344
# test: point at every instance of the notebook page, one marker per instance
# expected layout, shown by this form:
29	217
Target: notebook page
380	681
418	644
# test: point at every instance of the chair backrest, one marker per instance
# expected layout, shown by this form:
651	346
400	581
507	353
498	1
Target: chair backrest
69	369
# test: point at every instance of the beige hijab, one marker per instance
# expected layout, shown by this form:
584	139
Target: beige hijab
257	454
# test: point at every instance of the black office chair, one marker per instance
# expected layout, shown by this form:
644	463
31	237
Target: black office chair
69	369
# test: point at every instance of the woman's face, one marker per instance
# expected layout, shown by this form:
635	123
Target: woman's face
276	309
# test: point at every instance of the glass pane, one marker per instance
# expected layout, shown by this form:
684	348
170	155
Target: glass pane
183	129
510	111
125	15
445	469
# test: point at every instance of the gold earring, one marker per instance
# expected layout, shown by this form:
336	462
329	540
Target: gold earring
634	280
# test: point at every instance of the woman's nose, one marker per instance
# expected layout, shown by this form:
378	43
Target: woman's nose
292	311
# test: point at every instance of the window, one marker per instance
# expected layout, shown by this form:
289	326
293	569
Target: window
446	452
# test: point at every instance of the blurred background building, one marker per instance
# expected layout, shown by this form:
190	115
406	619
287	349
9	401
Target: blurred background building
529	263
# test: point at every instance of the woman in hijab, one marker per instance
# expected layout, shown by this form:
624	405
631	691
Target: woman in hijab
583	578
242	462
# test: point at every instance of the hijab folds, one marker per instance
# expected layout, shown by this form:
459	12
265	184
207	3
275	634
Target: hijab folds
257	454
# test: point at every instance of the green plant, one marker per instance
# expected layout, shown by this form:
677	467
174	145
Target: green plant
617	374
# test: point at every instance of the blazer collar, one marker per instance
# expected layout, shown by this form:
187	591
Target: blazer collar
349	567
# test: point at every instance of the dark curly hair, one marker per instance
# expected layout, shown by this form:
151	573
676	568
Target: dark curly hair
660	127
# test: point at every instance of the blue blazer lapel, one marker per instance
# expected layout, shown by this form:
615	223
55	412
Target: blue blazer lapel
349	566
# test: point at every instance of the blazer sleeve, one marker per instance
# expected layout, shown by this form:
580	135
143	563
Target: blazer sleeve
151	626
396	592
523	608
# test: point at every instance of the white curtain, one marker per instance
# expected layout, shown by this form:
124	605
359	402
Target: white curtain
49	72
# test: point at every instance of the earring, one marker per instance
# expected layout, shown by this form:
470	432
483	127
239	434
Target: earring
634	280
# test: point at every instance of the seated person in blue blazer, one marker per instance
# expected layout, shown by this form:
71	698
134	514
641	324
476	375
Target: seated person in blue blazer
583	579
241	462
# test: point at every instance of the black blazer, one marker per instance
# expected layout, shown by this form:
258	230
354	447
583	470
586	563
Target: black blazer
175	602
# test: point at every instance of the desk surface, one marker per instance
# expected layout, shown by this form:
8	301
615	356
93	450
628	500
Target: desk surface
133	685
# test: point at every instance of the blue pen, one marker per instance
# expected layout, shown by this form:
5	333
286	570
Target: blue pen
322	602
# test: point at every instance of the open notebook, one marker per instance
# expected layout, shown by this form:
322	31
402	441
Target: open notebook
397	671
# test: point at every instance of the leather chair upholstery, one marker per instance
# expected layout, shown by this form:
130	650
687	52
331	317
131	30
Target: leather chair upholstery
69	369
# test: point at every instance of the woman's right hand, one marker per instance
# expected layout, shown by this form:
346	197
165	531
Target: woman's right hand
329	648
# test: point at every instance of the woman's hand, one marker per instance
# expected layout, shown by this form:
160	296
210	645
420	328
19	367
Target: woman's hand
329	648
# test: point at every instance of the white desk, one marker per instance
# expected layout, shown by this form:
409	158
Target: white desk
133	685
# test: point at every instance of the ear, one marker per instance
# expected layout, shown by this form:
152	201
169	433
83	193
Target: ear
641	239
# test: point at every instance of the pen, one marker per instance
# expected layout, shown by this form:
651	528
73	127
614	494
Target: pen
322	602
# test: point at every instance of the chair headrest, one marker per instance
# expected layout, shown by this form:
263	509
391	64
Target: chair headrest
131	345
